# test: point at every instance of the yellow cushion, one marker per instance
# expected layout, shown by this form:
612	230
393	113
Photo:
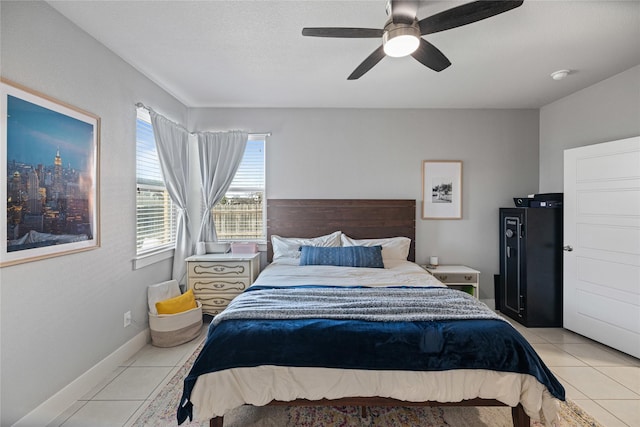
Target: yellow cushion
177	304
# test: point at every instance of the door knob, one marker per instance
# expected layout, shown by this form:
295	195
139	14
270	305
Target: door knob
567	248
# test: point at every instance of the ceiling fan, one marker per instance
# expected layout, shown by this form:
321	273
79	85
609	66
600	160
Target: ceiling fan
402	33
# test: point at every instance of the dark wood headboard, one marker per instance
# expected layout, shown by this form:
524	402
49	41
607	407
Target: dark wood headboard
357	218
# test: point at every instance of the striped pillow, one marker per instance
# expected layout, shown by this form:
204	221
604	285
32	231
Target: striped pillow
346	256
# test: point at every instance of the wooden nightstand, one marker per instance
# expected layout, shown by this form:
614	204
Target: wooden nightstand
457	277
216	279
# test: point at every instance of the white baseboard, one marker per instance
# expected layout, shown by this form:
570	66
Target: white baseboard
53	407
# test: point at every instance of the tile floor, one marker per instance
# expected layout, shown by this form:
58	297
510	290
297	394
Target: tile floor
604	382
121	397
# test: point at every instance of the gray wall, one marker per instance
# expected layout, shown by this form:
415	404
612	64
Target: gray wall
61	316
372	153
606	111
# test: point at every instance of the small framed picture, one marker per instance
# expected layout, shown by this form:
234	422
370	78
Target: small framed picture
49	155
441	189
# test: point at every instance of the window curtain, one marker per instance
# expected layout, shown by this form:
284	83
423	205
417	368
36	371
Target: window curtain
172	143
220	154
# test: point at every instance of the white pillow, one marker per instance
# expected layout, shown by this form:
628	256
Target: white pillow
161	292
393	248
289	247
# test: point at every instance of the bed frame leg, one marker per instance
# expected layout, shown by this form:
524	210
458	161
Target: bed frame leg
216	422
520	418
363	411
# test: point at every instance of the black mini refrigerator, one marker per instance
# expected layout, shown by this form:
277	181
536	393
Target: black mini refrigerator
531	265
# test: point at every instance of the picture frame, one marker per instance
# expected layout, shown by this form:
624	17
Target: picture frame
49	154
442	189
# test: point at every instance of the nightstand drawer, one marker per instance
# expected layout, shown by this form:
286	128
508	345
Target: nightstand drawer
219	269
456	277
218	285
215	303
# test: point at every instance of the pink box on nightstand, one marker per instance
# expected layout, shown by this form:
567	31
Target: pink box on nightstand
244	248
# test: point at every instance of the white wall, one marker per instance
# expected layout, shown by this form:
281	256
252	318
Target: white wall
606	111
374	153
61	316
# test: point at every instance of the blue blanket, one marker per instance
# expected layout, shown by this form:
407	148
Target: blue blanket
431	345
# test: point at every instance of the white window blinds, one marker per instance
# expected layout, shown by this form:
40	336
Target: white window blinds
155	213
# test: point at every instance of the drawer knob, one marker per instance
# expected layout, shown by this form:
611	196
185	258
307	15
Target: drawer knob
468	277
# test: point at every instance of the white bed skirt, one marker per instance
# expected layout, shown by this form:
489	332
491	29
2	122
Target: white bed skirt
217	393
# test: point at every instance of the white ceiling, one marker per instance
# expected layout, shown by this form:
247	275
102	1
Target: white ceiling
250	53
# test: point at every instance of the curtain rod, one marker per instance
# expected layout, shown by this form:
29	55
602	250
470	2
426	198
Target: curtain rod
258	134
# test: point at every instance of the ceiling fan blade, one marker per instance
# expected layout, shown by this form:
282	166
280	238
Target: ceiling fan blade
403	11
346	33
465	14
375	57
431	56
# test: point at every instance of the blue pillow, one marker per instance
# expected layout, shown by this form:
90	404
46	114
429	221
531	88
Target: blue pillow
344	256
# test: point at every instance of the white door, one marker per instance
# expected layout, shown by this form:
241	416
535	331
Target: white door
602	243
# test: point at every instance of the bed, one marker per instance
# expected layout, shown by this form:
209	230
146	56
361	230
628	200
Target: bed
324	324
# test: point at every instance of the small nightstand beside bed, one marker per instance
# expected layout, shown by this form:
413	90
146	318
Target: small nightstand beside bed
341	330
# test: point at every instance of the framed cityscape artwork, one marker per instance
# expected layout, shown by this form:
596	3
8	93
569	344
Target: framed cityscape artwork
49	157
441	189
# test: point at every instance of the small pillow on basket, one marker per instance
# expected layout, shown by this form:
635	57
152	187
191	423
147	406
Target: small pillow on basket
179	304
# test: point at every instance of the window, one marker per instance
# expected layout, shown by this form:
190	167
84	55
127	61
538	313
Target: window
240	213
155	212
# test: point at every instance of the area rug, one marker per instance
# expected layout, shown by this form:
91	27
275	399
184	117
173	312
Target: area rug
161	412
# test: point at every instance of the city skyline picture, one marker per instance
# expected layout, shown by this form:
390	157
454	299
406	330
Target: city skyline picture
49	159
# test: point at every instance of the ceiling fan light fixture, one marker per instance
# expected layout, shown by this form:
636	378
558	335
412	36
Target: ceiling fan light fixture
400	39
401	46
